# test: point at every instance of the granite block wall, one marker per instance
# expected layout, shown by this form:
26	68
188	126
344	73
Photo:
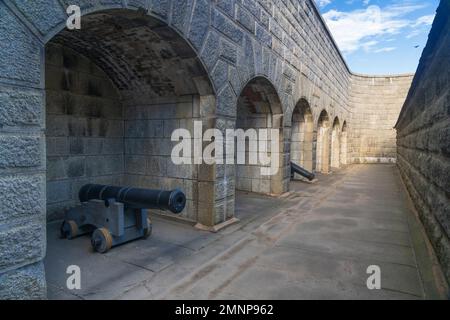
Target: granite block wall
148	147
22	161
423	137
84	128
376	103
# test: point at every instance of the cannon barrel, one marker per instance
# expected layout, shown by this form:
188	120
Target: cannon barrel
301	171
173	200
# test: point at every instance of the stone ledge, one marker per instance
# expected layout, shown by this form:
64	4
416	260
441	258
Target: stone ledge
217	227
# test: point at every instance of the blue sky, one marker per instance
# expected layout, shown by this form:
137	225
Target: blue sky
380	36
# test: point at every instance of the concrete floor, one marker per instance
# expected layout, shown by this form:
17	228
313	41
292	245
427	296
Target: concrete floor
314	243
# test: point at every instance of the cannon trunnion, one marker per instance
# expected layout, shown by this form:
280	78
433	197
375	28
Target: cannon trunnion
115	215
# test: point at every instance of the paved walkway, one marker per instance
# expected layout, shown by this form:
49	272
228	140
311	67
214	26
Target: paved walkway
314	243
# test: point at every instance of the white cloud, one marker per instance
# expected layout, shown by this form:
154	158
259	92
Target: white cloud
387	49
323	3
363	28
367	46
419	25
414	33
425	20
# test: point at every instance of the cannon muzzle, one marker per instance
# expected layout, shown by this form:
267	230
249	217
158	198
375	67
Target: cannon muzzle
301	171
173	201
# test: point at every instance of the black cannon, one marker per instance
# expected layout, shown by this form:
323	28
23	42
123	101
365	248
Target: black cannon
301	171
116	215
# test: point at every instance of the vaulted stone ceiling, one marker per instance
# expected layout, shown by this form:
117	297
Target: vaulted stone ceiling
137	52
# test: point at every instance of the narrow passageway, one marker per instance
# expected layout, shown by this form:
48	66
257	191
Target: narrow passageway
322	247
315	242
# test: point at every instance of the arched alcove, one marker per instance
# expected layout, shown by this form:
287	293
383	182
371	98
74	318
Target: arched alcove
336	144
115	91
323	143
302	135
344	142
259	107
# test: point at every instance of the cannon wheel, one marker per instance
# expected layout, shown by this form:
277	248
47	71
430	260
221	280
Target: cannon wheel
148	230
101	240
69	229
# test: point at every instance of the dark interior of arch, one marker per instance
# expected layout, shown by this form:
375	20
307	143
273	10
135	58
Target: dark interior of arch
137	52
260	96
303	108
336	123
344	127
302	136
322	159
324	120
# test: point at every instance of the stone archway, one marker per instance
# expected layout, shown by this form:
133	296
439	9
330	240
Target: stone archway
116	90
336	144
323	143
302	135
259	107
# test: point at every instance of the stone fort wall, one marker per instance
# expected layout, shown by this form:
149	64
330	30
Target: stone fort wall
284	42
375	103
424	137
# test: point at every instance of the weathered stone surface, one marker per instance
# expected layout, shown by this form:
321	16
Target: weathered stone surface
235	81
120	2
20	151
142	4
228	51
227	27
20	107
220	75
227	6
21	197
276	30
181	14
246	19
83	4
252	7
45	14
24	283
160	7
20	56
22	244
227	102
211	51
263	36
101	4
199	23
